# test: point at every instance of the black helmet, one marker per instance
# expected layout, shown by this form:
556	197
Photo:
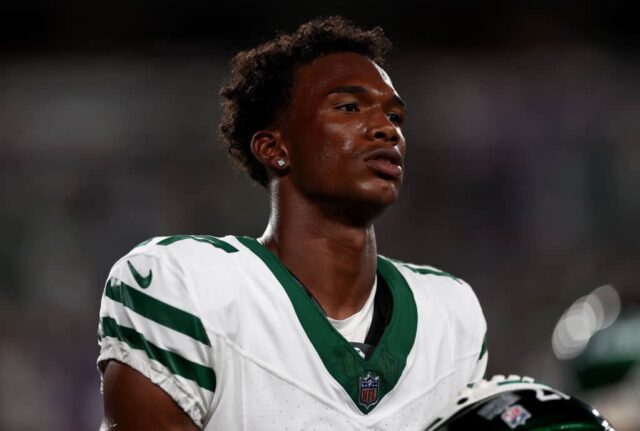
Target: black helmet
517	403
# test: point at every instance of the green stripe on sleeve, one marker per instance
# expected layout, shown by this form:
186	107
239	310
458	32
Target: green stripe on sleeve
483	349
158	311
204	376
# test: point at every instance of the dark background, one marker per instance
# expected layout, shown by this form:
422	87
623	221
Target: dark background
523	167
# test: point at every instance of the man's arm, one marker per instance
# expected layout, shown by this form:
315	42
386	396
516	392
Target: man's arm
133	403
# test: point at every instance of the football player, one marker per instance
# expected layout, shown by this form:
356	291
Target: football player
306	327
517	403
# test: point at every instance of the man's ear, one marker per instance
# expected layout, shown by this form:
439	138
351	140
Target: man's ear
268	147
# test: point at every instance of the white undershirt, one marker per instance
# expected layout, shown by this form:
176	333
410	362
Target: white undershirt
355	327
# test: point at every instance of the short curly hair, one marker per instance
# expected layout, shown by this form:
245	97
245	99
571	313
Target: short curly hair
259	87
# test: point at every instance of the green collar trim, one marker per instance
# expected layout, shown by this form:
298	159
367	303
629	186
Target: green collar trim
365	381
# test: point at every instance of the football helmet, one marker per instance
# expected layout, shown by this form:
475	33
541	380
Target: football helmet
517	403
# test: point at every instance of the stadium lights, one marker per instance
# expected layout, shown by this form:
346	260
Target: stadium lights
585	317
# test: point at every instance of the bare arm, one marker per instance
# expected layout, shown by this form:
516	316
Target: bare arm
133	403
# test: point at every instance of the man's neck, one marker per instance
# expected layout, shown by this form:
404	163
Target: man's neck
335	261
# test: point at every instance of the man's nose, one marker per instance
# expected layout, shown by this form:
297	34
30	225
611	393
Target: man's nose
381	128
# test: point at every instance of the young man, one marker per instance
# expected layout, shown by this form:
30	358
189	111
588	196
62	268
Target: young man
306	327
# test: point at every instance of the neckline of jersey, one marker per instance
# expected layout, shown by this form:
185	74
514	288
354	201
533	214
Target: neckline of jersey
340	359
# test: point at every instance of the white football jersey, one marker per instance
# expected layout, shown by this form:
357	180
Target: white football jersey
224	328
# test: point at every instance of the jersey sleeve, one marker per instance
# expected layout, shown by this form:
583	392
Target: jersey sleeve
149	321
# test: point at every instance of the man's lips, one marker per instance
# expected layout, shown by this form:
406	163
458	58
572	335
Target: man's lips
385	161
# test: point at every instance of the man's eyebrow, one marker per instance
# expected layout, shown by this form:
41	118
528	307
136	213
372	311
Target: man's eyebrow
356	89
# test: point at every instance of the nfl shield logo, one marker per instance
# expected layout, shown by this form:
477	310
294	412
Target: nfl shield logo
515	416
368	385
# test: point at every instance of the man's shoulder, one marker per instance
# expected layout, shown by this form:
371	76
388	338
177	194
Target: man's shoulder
184	275
187	260
431	285
185	245
181	250
441	295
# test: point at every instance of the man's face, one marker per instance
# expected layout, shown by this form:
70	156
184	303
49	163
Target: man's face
343	131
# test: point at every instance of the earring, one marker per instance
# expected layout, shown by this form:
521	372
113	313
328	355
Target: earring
281	162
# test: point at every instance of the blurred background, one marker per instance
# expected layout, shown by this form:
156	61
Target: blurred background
523	175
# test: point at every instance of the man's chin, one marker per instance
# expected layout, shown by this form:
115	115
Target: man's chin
384	192
373	201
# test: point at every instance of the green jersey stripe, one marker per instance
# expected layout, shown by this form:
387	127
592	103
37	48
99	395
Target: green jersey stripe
218	243
204	376
429	271
483	349
156	310
159	335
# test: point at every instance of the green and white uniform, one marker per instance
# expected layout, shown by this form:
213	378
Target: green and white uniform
234	339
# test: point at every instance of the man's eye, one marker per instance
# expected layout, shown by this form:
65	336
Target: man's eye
348	107
394	118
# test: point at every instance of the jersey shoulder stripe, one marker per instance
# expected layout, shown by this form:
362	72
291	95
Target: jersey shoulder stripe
484	349
426	270
168	240
212	240
158	311
200	374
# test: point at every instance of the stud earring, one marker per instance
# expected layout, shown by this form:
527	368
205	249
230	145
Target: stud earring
281	162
